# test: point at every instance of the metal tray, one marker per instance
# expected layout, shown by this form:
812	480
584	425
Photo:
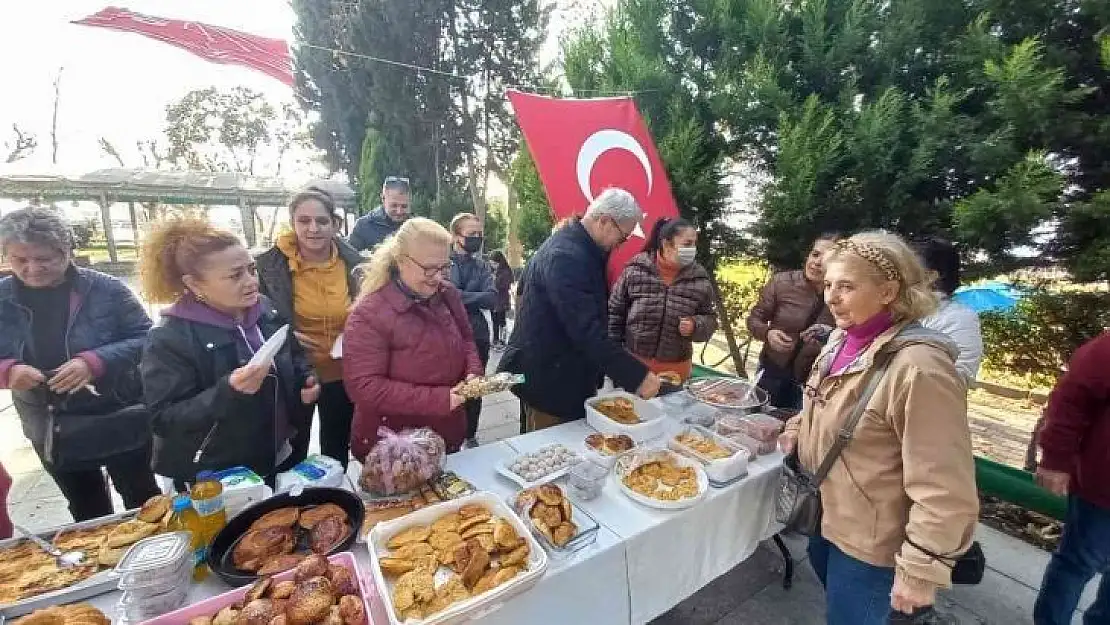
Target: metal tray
101	582
702	387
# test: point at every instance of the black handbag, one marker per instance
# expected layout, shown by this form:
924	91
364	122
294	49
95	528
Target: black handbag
967	569
798	500
86	439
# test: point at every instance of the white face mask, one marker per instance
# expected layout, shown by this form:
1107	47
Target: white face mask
686	255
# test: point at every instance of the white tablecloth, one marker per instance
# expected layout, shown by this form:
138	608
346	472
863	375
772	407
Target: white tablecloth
644	562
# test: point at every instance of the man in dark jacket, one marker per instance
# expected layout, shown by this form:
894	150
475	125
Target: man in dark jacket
68	332
380	223
1075	462
471	275
560	341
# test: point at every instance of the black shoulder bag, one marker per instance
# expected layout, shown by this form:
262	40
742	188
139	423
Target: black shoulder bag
88	438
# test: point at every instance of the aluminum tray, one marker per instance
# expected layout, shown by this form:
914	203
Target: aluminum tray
101	582
701	387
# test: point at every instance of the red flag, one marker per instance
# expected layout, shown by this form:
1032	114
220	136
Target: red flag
214	43
582	147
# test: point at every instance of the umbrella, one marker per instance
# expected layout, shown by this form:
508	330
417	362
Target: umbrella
988	296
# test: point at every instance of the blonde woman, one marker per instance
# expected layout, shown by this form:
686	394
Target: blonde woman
900	503
408	341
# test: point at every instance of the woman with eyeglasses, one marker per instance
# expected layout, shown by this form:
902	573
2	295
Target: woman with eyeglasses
309	275
211	408
408	341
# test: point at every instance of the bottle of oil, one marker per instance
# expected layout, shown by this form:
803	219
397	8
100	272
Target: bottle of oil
208	501
185	519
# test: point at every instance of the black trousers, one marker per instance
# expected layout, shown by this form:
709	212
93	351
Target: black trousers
498	319
87	492
474	406
336	413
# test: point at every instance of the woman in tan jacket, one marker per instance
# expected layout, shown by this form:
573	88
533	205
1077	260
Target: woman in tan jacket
900	503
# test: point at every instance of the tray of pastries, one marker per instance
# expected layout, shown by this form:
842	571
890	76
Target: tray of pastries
724	460
448	562
73	614
661	478
604	448
561	526
29	578
619	412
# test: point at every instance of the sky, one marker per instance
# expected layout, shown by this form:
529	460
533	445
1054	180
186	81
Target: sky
114	85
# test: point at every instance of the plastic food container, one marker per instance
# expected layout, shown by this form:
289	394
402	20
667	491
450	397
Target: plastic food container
587	479
745	442
154	560
136	607
716	469
651	418
586	536
171	580
764	430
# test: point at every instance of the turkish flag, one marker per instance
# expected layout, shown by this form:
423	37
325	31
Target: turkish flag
582	147
213	43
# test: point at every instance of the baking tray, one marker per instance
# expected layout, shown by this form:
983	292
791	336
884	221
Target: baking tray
101	582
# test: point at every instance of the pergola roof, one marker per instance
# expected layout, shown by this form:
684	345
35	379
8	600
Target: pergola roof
170	187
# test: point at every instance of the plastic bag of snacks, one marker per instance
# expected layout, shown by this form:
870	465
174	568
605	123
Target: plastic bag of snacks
400	463
488	385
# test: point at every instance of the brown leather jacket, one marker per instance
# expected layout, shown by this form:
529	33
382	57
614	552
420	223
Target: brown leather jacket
908	475
644	312
786	303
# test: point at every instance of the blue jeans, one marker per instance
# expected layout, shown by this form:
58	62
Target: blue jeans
1084	552
856	593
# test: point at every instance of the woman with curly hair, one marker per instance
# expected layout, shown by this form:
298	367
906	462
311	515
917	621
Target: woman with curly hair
211	408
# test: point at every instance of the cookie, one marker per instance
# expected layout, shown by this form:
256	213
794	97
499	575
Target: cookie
415	534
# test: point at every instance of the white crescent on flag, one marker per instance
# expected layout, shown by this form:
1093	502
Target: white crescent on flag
601	142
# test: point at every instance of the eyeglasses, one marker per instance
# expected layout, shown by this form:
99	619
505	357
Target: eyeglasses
624	235
432	271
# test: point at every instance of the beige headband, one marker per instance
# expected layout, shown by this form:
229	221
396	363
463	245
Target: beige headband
873	255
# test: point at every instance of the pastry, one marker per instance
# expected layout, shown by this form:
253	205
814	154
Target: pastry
516	557
311	601
447	523
311	516
129	533
342	580
155	508
257	612
619	409
257	546
444	540
327	533
478	529
504	534
259	589
473	510
416	534
352	610
314	565
412	551
110	556
283	590
282	517
610	445
76	614
472	561
394	567
279	563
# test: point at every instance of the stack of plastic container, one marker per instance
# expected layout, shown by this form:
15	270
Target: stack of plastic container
154	576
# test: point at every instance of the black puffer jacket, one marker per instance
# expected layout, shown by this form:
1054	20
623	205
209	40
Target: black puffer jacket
644	312
275	280
185	370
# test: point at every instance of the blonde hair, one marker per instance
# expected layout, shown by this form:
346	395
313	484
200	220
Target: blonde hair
458	221
377	271
174	249
886	257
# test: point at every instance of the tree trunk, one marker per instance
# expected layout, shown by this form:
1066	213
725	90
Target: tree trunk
109	235
134	223
246	216
513	248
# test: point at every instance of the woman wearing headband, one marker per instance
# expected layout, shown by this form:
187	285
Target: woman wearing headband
900	503
662	304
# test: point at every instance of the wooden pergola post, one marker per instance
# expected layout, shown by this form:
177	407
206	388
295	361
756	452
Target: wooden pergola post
246	216
109	235
134	224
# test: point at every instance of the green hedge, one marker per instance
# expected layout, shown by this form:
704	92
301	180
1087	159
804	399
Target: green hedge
740	281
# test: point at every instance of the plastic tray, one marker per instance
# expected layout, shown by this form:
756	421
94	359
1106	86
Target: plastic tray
651	418
212	605
473	608
631	460
503	469
586	536
718	470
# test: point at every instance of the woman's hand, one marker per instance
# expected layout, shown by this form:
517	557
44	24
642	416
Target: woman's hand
788	441
310	344
24	377
71	377
779	340
907	598
816	333
248	378
686	326
311	391
456	400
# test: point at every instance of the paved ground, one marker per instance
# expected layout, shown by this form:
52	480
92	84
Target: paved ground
751	593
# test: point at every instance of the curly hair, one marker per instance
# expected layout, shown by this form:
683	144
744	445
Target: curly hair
885	256
37	225
173	249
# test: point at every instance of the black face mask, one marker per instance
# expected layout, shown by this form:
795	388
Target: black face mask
472	244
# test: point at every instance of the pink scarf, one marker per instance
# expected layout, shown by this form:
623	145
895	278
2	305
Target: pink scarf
859	339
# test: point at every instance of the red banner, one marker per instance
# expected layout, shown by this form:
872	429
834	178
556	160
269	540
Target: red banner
213	43
582	147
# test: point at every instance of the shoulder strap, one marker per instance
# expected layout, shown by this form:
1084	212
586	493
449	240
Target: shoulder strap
849	428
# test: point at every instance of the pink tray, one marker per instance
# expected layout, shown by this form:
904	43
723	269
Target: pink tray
212	605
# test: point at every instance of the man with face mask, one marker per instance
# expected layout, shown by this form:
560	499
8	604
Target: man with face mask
560	340
472	276
380	223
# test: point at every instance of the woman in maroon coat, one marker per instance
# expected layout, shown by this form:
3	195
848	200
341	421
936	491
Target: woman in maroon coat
408	342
